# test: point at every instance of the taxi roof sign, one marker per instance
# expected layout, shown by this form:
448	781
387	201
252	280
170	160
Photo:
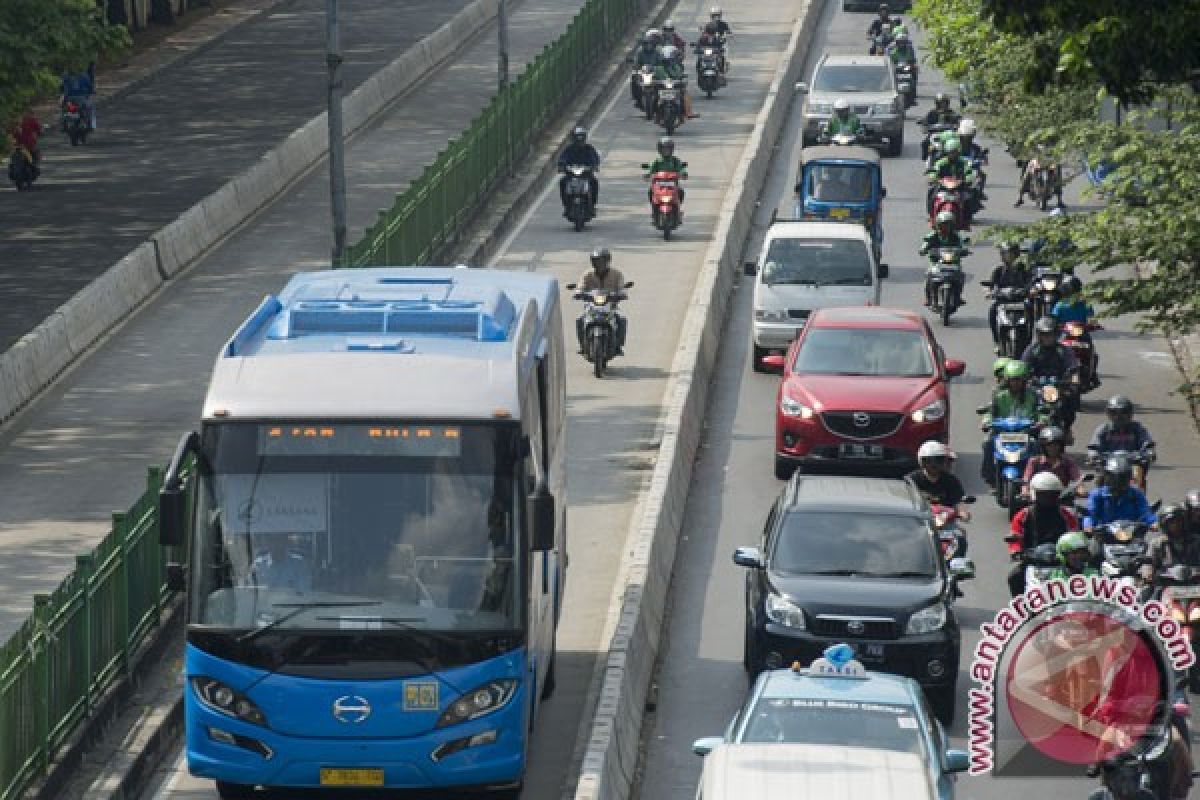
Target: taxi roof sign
825	668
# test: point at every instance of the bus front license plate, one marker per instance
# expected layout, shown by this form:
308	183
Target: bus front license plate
352	777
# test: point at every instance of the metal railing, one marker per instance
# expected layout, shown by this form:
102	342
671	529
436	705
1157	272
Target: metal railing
439	203
79	640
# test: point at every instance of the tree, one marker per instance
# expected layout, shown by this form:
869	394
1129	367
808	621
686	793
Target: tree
39	39
1130	47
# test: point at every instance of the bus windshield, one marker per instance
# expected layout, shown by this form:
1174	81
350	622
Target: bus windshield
357	526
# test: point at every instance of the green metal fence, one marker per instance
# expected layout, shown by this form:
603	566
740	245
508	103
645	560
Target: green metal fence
79	640
441	201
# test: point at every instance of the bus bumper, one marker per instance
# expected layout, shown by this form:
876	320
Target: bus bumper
480	754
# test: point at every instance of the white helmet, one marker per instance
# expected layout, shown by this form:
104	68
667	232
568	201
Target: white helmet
966	127
715	11
933	449
668	52
1046	482
841	105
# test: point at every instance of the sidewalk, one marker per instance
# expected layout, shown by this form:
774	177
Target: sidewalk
179	133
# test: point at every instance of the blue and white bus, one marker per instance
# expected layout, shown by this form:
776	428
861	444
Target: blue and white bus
375	530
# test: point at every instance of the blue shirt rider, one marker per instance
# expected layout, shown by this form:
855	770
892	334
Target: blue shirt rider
1117	499
80	86
278	565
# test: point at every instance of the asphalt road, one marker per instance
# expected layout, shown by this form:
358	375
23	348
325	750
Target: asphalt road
701	682
168	143
127	404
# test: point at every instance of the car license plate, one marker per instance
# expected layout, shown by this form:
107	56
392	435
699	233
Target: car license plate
869	451
351	777
1185	592
1013	438
872	652
839	213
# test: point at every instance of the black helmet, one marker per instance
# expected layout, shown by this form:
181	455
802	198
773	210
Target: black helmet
1071	285
579	135
1010	249
883	9
1053	435
601	258
1174	511
666	146
941	100
1119	404
1118	467
1046	325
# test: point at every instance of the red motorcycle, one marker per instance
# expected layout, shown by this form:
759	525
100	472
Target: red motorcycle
1074	336
665	201
949	197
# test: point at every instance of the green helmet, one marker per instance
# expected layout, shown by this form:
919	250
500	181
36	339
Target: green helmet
1016	369
1068	543
999	364
953	145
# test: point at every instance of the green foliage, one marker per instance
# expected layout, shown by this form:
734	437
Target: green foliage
39	39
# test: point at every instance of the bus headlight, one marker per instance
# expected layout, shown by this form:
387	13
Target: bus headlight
479	702
223	700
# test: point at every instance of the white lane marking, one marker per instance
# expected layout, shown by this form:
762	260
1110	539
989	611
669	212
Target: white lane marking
168	787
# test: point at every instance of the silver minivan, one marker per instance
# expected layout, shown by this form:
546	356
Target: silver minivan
804	266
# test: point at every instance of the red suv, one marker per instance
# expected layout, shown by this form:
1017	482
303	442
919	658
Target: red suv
862	387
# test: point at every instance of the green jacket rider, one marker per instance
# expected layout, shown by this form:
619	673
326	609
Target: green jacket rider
1074	556
666	161
952	164
943	236
901	51
671	68
1016	399
843	120
647	55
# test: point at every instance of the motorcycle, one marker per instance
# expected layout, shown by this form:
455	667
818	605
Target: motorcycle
665	205
579	195
669	106
1045	178
932	133
906	83
1071	335
1045	291
1180	592
1053	398
1140	459
945	278
1012	319
949	197
708	71
952	538
1124	547
1013	443
599	324
75	122
641	86
21	169
1040	562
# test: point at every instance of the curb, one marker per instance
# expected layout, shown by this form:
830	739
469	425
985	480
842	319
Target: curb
611	760
40	356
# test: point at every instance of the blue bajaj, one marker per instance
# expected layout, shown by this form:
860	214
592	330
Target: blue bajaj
842	184
1013	441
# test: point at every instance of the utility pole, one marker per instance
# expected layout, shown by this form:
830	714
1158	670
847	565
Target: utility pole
502	40
337	154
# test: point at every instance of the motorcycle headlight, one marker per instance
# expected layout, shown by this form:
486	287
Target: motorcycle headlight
1050	394
792	408
927	620
1013	456
930	413
765	315
479	702
224	700
782	611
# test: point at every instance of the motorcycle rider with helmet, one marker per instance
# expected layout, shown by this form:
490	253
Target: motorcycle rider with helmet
973	151
1049	359
901	50
26	133
885	18
933	479
943	237
581	154
1053	459
1117	499
1043	522
940	114
1074	556
1174	546
80	87
952	165
998	372
843	120
603	277
711	37
666	162
1120	432
673	39
1072	307
717	17
1016	399
1012	273
670	67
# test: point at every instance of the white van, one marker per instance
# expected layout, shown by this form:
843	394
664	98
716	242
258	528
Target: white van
804	266
812	772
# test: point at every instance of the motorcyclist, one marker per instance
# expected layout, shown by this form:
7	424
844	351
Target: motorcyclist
1117	499
885	18
1016	399
647	54
1192	504
973	151
25	133
666	162
1046	521
1074	556
934	480
1028	171
1012	273
941	113
843	120
671	68
711	38
717	17
1049	359
80	87
673	39
579	153
943	237
656	38
1052	460
882	40
1174	546
603	277
1120	432
952	165
1072	307
901	50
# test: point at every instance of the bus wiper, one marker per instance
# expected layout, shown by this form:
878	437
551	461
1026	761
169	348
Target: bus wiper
297	609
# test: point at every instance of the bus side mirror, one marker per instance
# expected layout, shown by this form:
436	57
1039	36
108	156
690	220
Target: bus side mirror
883	191
540	507
172	497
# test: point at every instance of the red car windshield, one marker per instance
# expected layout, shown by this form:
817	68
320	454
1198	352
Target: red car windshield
881	352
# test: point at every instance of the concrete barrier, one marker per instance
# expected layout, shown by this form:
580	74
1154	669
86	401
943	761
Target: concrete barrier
39	357
611	759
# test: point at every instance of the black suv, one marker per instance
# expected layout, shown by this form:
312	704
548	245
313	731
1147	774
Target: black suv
854	560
